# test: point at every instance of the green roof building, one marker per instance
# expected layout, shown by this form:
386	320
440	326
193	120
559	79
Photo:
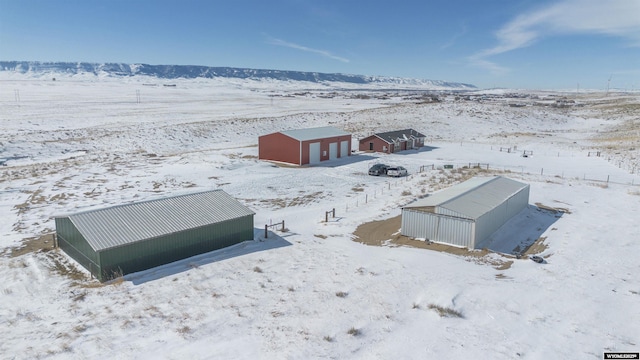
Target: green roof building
133	237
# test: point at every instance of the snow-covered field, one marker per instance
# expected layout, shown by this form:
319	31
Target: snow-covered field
313	292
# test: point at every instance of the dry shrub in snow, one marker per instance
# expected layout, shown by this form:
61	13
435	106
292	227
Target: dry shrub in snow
184	330
445	312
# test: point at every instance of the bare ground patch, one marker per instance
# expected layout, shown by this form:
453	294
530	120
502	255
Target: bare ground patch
55	261
61	266
537	247
241	156
31	245
285	165
35	198
283	202
553	209
386	233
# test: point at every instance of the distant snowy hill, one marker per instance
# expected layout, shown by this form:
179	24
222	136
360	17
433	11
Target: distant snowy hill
192	72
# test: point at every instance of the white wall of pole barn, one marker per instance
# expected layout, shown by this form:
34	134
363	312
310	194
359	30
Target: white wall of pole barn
460	229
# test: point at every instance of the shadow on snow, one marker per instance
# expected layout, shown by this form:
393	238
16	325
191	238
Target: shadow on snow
259	243
416	151
360	157
521	231
355	158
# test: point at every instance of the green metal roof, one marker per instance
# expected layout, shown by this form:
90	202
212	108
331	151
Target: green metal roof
123	224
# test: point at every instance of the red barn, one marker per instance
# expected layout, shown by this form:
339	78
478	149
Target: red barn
393	141
305	146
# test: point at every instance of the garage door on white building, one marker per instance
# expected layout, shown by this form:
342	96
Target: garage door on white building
344	148
314	153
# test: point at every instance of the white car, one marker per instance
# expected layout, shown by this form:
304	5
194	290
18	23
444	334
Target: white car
397	171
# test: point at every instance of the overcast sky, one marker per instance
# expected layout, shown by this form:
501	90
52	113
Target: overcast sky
533	44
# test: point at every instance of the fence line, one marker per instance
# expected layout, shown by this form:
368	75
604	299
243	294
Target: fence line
548	172
587	152
267	226
380	189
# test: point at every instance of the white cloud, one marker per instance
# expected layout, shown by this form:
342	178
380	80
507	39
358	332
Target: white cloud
619	18
455	37
279	42
494	68
611	17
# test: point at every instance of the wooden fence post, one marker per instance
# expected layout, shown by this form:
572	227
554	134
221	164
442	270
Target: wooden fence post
326	214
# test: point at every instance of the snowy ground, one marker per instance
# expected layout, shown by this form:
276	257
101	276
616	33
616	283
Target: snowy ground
313	292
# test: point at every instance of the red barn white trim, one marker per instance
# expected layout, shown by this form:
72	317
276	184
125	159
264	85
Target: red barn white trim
305	146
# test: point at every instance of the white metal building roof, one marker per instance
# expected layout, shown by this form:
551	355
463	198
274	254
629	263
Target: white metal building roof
123	224
314	133
472	198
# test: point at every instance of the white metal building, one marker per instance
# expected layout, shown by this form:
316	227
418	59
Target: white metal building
466	214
